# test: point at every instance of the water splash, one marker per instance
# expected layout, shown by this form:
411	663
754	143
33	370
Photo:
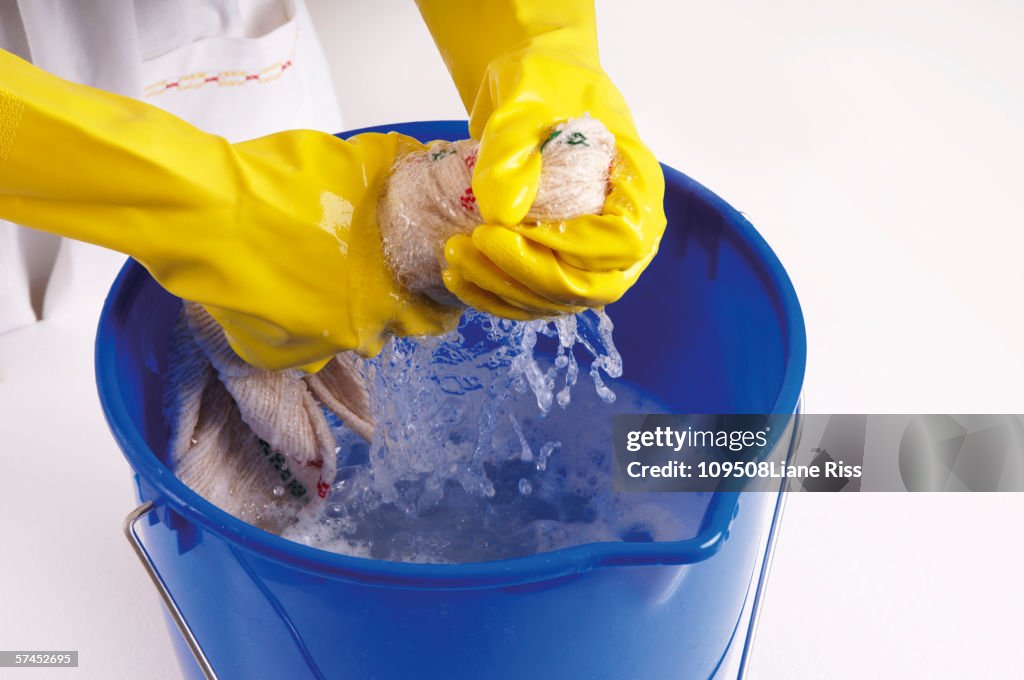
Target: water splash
441	404
464	426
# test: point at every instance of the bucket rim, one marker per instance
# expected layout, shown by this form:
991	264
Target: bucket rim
165	489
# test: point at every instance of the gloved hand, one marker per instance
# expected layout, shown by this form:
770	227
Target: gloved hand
276	237
521	67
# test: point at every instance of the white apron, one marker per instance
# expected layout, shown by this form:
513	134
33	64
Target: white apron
236	68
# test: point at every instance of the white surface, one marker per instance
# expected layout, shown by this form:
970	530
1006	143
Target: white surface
68	579
877	147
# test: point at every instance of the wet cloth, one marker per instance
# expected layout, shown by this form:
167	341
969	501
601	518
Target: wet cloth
255	443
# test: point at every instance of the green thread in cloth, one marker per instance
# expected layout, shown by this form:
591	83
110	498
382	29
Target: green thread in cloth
550	137
574	139
577	138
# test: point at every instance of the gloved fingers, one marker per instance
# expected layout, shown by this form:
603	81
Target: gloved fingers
632	222
266	345
477	298
507	173
415	315
539	269
512	117
472	266
314	367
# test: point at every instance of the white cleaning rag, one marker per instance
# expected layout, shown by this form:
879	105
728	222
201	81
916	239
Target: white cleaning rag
255	443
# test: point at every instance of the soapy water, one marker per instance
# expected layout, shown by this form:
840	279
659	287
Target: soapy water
486	448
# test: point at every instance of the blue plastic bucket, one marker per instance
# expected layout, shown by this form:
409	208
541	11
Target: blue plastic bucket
712	327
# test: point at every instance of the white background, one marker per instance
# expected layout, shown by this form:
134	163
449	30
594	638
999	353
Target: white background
878	147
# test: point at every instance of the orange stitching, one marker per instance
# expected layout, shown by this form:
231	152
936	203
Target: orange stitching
194	81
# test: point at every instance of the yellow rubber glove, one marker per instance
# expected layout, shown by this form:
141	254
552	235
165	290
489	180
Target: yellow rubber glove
277	236
521	67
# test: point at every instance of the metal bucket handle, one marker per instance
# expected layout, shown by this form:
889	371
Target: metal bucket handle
165	594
